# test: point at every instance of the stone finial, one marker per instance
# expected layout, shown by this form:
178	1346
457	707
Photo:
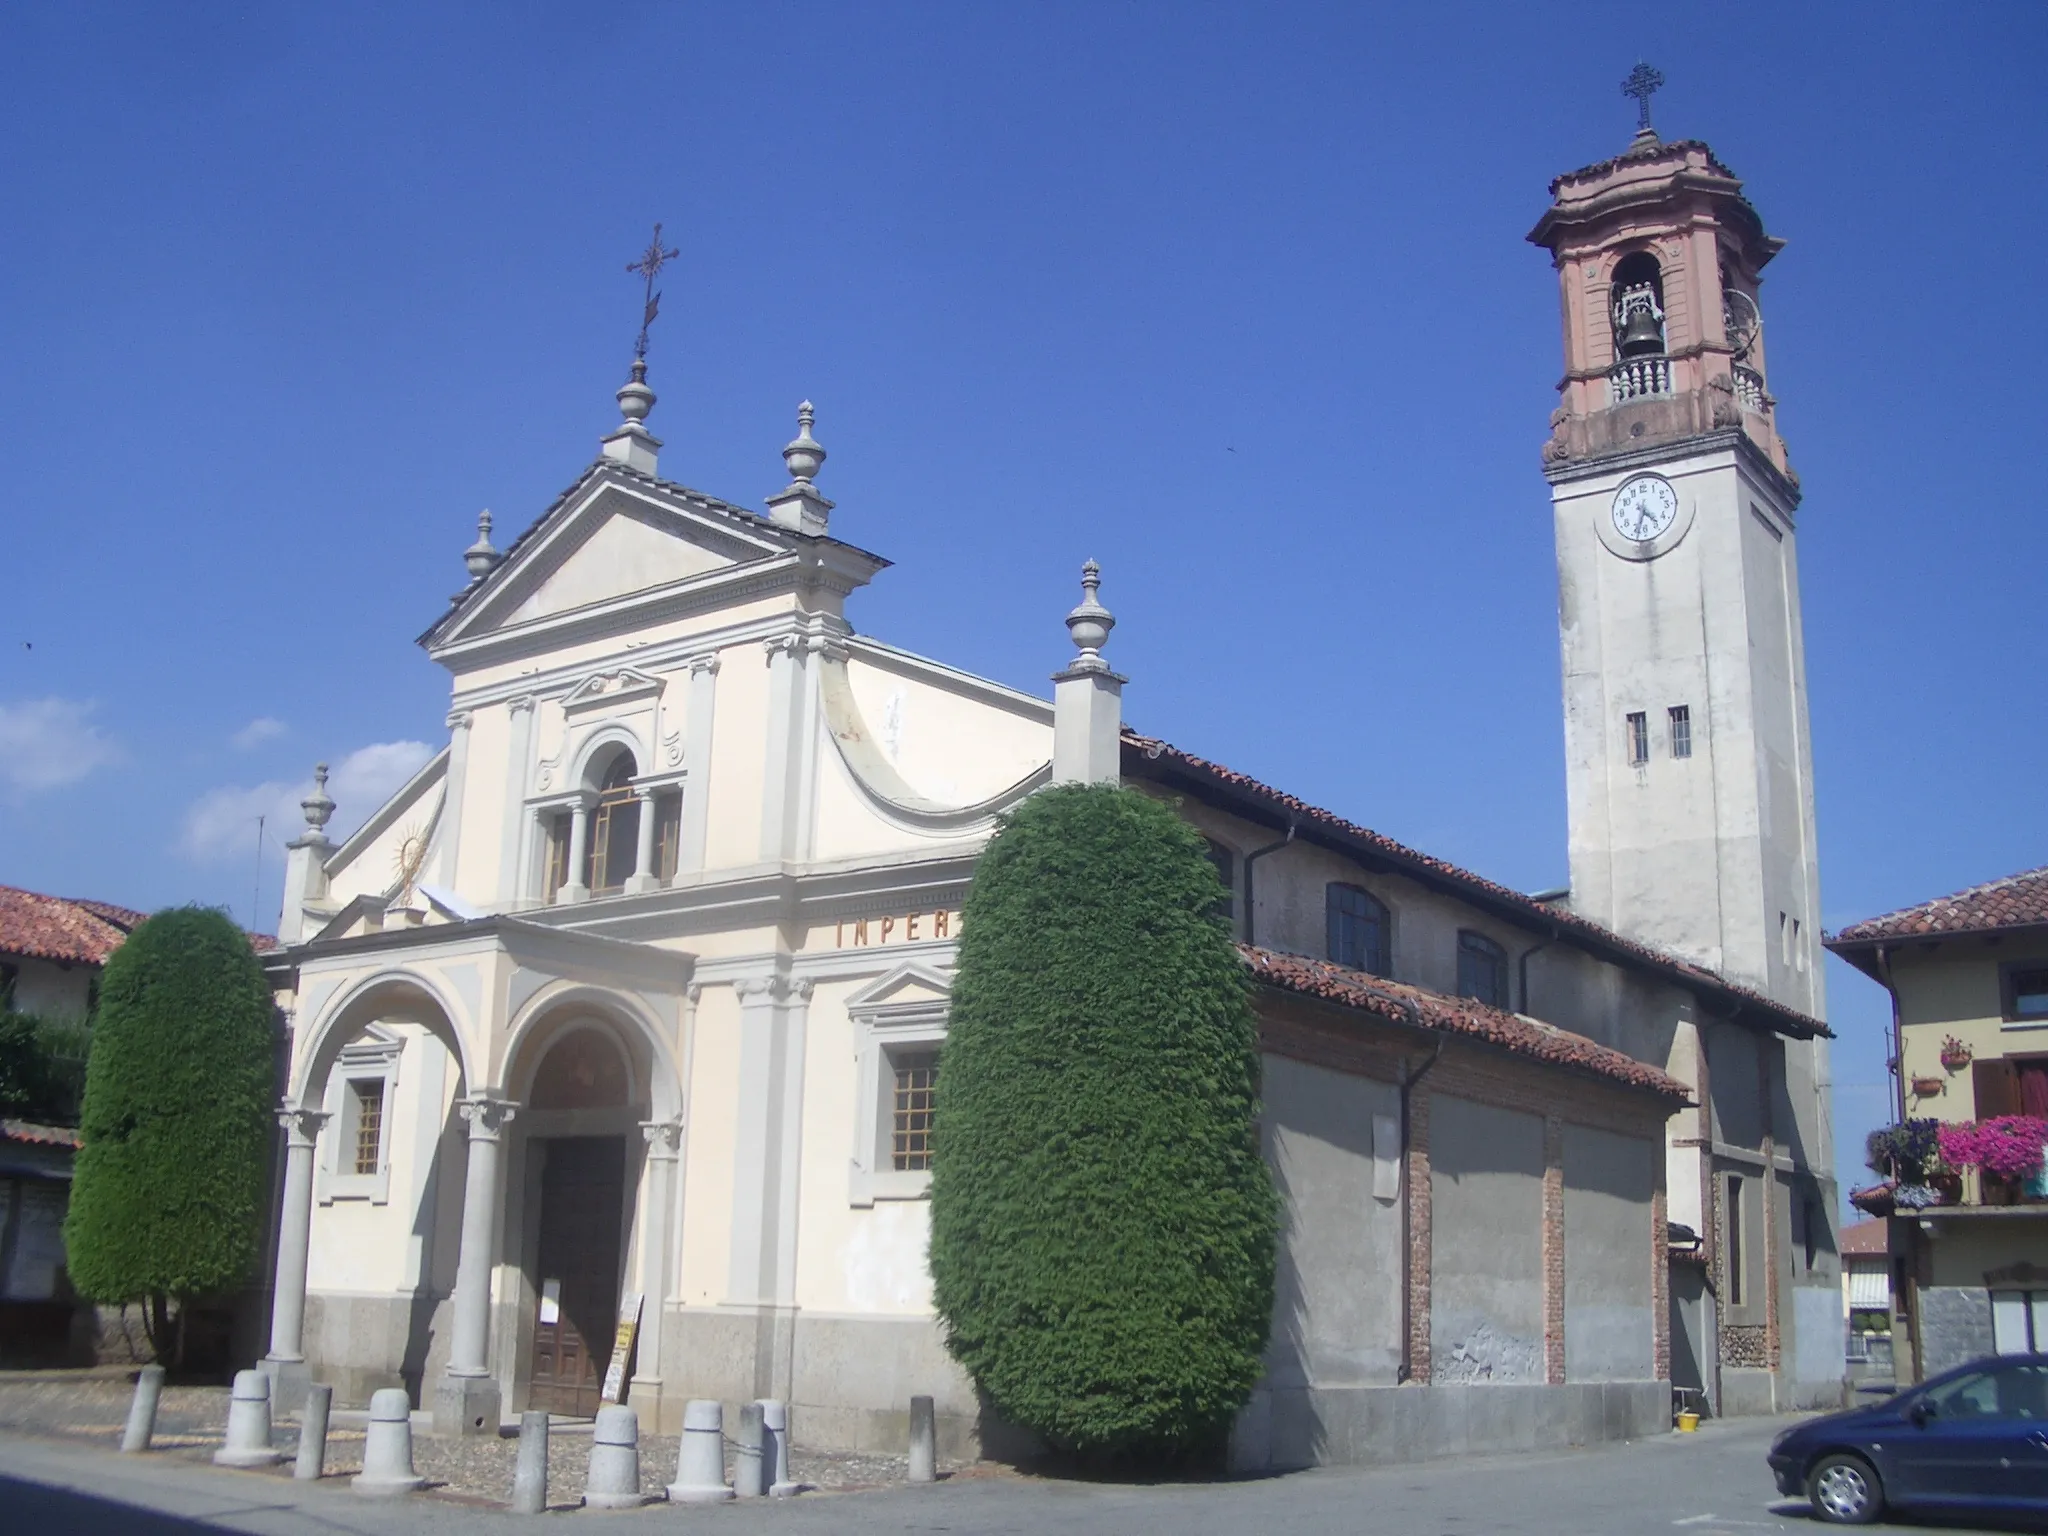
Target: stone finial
631	444
1090	622
318	806
635	398
804	456
799	505
482	557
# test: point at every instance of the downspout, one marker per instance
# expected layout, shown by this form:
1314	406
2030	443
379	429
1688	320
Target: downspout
1522	969
1905	1275
1408	1082
1250	911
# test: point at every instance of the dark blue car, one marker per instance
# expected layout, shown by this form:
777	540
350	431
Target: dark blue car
1972	1439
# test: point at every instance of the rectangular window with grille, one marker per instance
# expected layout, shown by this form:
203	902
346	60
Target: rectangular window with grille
917	1077
369	1124
1638	739
1681	730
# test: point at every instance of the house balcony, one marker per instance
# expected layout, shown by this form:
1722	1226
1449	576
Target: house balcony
1953	1166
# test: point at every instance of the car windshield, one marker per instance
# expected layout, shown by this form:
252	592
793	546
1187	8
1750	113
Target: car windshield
2015	1391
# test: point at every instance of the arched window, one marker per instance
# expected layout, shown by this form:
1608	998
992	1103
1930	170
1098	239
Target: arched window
614	828
1482	969
1637	305
1359	934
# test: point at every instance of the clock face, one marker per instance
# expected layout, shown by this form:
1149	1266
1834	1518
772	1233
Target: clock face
1644	508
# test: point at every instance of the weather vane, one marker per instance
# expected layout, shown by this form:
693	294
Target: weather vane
651	261
1642	83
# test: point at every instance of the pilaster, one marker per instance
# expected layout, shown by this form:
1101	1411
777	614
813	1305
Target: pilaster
697	764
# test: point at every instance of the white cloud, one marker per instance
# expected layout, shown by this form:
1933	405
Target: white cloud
46	743
258	731
221	824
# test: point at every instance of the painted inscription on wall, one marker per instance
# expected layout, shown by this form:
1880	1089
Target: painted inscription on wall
909	928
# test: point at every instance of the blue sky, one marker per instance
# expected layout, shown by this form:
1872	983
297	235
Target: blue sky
1231	298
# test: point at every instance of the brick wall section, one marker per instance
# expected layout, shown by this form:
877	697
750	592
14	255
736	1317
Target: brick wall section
1553	1250
1415	1170
1344	1040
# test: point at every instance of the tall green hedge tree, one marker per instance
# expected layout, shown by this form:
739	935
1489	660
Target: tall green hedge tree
1103	1226
168	1195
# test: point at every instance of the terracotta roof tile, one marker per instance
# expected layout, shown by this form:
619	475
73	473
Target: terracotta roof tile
2017	901
1143	755
1863	1239
40	1135
1461	1016
52	928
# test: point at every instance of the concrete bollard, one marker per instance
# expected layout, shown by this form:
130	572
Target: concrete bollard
747	1479
775	1448
700	1459
149	1387
530	1475
387	1447
248	1443
924	1441
614	1478
312	1462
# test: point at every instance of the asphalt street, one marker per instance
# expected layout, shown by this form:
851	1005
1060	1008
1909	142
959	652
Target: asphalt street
1714	1483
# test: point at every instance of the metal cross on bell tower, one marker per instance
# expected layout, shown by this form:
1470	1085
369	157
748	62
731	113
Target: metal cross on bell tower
651	261
1642	83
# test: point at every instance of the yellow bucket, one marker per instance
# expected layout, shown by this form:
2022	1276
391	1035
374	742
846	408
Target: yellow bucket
1688	1422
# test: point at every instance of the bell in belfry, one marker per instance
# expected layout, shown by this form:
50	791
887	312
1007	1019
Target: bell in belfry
1641	334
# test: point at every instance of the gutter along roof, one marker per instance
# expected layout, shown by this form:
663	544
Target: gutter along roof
1460	1017
1161	763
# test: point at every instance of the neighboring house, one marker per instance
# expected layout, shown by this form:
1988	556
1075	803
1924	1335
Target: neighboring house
1867	1297
52	948
1968	978
635	998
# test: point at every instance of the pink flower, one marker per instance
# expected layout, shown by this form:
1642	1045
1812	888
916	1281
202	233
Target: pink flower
2007	1145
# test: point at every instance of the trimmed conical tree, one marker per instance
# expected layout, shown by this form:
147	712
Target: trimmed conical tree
167	1199
1103	1225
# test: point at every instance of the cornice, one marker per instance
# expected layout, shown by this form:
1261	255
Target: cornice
1663	452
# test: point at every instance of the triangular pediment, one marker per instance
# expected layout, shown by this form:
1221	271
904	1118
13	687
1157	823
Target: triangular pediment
910	993
610	540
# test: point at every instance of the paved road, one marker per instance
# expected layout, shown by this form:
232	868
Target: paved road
1710	1484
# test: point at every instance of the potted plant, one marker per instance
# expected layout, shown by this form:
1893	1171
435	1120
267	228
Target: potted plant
2005	1150
1909	1154
1954	1054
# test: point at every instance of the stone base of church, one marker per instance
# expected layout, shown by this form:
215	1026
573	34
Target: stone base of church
467	1405
1287	1428
360	1344
848	1379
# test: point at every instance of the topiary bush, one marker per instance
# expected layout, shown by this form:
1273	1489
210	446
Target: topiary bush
1103	1226
168	1194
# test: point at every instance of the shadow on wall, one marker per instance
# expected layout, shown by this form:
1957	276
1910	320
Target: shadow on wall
419	1322
1281	1427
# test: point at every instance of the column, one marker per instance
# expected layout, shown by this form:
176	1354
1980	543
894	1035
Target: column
657	1248
515	834
573	889
778	774
448	834
697	761
467	1401
644	877
294	1237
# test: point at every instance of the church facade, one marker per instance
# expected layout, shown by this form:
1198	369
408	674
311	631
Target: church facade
632	1004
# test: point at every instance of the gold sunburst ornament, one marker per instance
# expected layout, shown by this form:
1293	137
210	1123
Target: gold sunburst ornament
411	854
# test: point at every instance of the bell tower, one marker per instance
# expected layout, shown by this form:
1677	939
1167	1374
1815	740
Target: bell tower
1689	773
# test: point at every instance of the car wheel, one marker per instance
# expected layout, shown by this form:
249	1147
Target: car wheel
1845	1490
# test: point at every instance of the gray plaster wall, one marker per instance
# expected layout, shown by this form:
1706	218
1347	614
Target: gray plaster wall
1609	1180
1486	1247
1371	1426
1337	1292
51	987
1955	1326
361	1344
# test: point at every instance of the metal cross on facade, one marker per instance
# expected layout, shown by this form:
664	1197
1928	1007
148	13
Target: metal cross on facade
1642	83
651	261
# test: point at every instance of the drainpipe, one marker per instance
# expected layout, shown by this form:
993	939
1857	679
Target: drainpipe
1906	1275
1884	975
1250	911
1408	1082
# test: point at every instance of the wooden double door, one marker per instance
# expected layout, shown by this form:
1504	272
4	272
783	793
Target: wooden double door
582	1197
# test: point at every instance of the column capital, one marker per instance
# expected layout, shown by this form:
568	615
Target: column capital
782	645
521	705
301	1125
701	665
664	1138
458	720
776	989
486	1117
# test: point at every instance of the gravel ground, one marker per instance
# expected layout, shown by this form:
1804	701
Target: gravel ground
92	1406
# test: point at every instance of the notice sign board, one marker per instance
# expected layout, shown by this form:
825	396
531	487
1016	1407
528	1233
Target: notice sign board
622	1347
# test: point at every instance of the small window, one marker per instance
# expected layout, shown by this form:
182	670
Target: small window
1638	739
1733	1219
614	829
367	1097
1681	730
558	855
1482	970
917	1080
1226	871
2026	992
1357	929
668	834
2019	1322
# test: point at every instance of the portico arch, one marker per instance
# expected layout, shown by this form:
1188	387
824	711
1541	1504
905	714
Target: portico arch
395	996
